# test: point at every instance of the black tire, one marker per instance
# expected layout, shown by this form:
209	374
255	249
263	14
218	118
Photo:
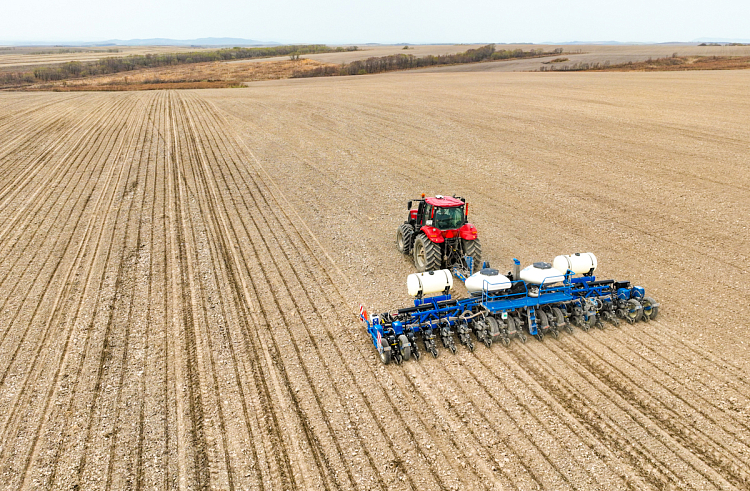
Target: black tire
427	254
404	238
559	317
494	329
473	248
543	323
385	355
405	347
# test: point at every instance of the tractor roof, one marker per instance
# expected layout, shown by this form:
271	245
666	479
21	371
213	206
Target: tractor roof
444	202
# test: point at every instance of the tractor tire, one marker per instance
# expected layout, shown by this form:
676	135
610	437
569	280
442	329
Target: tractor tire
385	355
405	347
473	248
427	254
543	322
405	238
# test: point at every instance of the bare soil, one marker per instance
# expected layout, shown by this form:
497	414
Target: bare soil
187	76
180	273
682	63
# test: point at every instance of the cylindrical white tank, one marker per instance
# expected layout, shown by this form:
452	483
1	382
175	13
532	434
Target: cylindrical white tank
430	282
495	281
539	273
579	263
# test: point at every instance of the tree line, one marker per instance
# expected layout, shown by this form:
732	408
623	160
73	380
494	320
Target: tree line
106	66
406	61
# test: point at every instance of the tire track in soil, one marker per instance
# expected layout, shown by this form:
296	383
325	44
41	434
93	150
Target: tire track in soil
308	327
405	425
82	360
280	470
329	334
573	392
60	416
665	362
54	265
190	438
13	252
199	231
59	298
116	268
154	436
135	336
25	177
318	455
692	437
26	130
215	291
683	353
691	468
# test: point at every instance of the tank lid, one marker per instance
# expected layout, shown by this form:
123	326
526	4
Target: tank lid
489	272
542	265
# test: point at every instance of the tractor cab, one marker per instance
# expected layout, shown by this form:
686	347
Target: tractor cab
441	212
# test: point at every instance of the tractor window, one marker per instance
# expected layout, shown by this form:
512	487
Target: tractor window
448	218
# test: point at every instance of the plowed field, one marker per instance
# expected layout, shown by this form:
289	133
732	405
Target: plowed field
180	273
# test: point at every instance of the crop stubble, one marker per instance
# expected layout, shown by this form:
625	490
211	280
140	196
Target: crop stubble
169	319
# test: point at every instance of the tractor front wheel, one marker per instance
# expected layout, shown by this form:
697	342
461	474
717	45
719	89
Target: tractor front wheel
404	238
427	254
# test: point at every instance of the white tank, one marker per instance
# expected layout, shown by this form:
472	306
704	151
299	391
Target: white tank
579	263
539	273
495	281
430	282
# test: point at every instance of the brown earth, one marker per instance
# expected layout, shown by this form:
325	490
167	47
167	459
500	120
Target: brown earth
682	63
188	76
22	58
180	274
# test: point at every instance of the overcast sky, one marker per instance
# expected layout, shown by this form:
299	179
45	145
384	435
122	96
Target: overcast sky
377	21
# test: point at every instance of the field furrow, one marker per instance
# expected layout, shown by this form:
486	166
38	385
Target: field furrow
180	273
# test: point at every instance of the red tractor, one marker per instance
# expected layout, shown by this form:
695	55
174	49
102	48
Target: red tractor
437	233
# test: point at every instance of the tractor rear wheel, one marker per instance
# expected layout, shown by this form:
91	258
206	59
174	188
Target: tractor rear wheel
427	254
404	238
473	248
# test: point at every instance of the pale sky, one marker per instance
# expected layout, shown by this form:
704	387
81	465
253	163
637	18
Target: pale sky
376	21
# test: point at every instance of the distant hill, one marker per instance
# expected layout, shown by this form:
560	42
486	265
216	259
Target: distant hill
720	40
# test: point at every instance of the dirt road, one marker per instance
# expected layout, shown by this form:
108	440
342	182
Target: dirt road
180	273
